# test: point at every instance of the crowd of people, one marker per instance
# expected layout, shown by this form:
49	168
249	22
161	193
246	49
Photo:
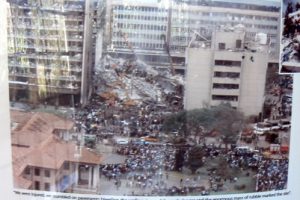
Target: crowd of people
148	166
272	175
100	118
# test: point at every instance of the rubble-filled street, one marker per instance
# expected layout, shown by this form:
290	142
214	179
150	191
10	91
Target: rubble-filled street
124	123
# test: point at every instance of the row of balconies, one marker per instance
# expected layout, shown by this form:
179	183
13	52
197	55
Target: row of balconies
137	39
137	13
55	27
142	21
52	7
49	18
223	19
76	58
13	64
48	76
39	48
70	88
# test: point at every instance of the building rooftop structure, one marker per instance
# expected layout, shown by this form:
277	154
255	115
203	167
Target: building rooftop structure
36	145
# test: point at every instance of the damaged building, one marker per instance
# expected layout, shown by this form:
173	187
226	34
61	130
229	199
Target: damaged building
227	71
50	50
134	82
158	30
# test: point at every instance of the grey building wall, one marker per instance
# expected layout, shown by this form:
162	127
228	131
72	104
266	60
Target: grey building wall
226	73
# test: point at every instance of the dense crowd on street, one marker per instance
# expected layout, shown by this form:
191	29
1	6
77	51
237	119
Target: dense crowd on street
148	164
100	118
272	175
148	167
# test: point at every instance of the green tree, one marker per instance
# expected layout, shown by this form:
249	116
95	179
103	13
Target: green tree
176	122
195	160
223	118
228	121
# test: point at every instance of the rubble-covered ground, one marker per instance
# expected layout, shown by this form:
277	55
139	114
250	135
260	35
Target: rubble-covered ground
134	82
290	55
130	99
291	50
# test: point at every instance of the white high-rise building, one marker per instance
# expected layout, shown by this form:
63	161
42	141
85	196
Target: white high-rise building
226	72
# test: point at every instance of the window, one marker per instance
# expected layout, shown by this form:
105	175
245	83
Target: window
47	173
37	185
225	86
27	171
224	97
230	63
36	171
227	74
222	46
47	186
238	44
66	165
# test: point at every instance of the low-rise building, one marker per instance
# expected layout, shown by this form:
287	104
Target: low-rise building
42	161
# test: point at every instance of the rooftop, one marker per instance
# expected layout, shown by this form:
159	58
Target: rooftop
34	144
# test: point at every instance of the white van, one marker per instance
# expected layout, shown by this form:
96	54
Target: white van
285	124
262	127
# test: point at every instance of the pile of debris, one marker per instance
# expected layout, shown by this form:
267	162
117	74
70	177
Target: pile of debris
133	82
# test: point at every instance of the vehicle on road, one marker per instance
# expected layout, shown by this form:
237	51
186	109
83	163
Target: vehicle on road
150	139
262	127
122	141
284	124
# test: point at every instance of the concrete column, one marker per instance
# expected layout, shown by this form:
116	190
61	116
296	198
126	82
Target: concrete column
96	177
33	97
76	173
90	176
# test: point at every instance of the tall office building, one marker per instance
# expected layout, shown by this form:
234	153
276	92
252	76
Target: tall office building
50	50
225	71
138	27
147	25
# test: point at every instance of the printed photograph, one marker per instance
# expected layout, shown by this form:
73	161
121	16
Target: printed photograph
290	41
148	97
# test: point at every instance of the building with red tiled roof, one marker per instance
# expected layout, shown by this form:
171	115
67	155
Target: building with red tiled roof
42	161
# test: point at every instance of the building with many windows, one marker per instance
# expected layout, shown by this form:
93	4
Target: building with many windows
137	27
153	29
50	50
227	72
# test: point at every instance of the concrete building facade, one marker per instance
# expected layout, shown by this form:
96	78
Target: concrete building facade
143	23
50	50
226	72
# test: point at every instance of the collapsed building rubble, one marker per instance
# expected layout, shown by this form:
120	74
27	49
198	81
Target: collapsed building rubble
133	82
130	99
